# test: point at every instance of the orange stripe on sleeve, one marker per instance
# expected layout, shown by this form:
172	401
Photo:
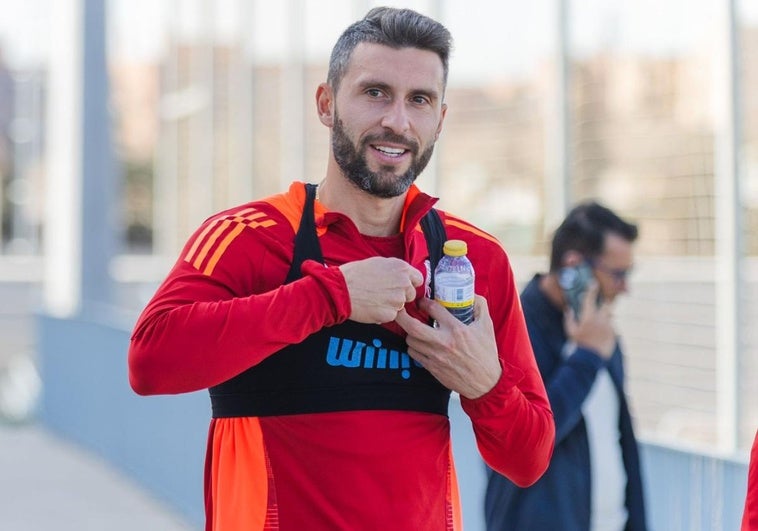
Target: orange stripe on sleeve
465	226
210	243
204	233
222	248
198	240
221	238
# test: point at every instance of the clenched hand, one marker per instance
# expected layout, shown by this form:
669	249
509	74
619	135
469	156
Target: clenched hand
379	288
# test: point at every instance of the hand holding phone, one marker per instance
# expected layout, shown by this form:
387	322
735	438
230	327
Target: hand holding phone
595	330
574	281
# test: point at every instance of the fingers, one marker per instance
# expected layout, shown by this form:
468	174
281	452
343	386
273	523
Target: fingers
436	311
411	279
590	297
410	294
481	309
380	287
569	322
462	358
440	314
417	279
412	326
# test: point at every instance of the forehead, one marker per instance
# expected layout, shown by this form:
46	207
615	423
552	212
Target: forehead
410	67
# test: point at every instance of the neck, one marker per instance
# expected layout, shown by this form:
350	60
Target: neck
552	290
374	216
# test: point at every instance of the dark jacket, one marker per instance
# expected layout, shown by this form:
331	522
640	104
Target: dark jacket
560	500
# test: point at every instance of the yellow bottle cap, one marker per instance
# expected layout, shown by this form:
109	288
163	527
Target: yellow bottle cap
455	248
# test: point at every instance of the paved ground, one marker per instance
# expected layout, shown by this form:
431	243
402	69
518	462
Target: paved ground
48	484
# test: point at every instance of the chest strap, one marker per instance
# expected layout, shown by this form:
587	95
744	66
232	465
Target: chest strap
347	367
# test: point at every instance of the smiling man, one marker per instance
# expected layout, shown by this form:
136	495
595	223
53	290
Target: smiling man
306	316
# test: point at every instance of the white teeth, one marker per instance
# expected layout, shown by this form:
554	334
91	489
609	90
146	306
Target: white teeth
390	150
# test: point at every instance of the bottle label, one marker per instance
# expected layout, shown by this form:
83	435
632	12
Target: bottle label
455	297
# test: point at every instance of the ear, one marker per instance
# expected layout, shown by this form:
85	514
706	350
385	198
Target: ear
325	104
572	259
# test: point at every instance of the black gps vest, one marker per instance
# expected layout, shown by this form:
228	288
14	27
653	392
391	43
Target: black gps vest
347	367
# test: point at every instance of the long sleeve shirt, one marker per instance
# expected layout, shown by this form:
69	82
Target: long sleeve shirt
225	308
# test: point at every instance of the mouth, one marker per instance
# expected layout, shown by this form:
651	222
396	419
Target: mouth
390	151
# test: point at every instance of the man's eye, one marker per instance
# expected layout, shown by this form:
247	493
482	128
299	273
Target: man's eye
420	100
374	93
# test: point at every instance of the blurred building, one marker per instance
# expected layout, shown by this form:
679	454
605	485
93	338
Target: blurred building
207	125
211	118
7	113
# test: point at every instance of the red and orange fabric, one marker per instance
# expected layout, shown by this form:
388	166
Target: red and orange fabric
750	516
224	308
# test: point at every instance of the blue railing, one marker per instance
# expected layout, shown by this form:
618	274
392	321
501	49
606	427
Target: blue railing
160	441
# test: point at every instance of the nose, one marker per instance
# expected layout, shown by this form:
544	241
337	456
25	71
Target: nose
396	117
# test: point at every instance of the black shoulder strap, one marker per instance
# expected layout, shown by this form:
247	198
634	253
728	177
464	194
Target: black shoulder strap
434	232
307	246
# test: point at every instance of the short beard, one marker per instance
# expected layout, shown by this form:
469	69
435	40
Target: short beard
383	183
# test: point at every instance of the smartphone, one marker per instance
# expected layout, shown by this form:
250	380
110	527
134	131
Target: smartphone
574	281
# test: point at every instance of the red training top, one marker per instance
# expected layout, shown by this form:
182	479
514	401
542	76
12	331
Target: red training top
223	308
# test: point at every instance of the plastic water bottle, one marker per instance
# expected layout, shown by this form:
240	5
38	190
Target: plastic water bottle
454	281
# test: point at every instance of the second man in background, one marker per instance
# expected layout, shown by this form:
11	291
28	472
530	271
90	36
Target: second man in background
593	482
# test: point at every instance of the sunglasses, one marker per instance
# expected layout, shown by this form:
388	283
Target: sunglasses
619	275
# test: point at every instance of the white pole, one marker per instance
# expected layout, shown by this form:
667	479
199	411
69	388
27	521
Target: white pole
558	163
728	232
292	126
63	199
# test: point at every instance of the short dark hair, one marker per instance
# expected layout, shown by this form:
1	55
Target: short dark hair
396	28
584	231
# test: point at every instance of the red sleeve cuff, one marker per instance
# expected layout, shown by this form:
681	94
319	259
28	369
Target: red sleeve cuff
491	403
332	282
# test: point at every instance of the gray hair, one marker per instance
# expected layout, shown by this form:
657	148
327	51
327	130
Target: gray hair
396	28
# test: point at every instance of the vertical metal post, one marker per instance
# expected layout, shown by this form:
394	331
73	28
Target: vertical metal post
242	94
100	215
62	237
202	131
728	233
292	125
558	164
166	241
430	178
79	239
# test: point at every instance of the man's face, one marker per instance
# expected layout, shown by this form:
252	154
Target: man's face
613	266
388	113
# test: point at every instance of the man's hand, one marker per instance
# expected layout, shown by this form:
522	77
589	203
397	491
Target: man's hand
462	357
594	329
379	288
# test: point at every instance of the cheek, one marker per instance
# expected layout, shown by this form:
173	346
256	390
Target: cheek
429	127
607	288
